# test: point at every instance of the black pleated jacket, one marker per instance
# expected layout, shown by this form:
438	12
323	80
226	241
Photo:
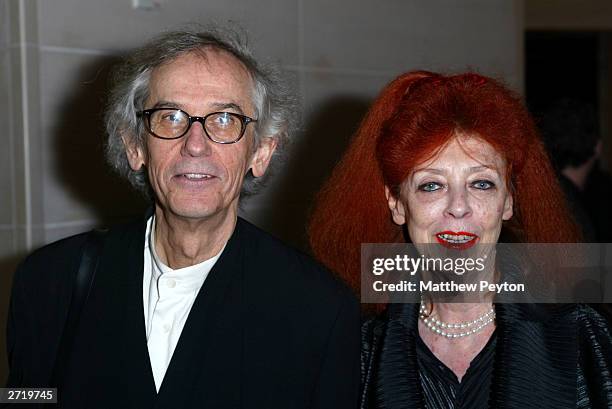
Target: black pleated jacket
546	357
270	328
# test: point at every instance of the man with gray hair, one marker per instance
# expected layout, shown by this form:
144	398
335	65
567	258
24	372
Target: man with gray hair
191	306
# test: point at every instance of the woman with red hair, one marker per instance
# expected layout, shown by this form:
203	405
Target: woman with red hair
455	161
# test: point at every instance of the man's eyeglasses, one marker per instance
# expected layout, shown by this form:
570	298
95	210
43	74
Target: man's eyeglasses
172	123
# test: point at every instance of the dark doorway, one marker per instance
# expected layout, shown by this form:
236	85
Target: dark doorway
561	64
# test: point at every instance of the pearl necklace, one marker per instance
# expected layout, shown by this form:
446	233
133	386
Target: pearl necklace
457	330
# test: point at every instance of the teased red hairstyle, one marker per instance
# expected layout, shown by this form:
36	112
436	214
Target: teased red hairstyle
410	121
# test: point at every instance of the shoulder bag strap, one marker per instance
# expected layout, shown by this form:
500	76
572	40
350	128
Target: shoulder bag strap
80	292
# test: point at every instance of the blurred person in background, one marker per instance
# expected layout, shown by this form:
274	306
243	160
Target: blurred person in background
570	130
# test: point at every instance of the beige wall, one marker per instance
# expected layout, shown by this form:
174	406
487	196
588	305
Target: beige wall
55	54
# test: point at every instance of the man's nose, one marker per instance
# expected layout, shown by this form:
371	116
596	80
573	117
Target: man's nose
196	143
458	204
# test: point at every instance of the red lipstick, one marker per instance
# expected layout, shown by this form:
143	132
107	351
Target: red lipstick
456	240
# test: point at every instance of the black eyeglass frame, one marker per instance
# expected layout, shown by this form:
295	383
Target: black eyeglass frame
145	114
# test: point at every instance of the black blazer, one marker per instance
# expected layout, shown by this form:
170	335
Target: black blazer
555	357
270	328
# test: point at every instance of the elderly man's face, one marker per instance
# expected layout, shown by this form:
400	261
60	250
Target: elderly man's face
192	176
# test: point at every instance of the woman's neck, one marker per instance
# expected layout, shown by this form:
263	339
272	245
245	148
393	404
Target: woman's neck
457	353
459	312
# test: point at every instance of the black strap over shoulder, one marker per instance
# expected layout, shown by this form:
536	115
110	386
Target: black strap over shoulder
82	286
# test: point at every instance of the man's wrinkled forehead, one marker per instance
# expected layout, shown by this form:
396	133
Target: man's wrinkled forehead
202	68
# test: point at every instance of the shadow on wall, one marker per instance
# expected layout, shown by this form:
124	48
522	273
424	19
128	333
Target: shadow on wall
309	163
78	142
78	151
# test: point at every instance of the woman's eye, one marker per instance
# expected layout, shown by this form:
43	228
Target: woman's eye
483	184
429	187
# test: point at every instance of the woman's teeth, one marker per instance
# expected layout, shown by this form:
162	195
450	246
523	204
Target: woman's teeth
456	239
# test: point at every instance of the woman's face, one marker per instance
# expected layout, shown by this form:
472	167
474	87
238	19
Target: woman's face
458	198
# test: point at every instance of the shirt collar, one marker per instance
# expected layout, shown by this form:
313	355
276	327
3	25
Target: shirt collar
187	278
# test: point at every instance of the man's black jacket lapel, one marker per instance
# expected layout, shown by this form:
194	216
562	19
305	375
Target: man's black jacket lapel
214	324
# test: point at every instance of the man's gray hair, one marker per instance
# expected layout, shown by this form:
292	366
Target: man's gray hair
273	101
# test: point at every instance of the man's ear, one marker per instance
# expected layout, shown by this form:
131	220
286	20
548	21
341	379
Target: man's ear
398	211
508	206
134	153
261	157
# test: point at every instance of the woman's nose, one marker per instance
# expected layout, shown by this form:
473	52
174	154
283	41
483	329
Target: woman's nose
458	204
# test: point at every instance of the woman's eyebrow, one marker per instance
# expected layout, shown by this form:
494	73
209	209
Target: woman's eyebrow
431	170
483	167
471	169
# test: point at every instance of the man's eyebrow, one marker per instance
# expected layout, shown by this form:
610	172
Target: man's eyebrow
215	105
166	104
227	105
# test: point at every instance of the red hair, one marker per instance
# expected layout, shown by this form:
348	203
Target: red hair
410	121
